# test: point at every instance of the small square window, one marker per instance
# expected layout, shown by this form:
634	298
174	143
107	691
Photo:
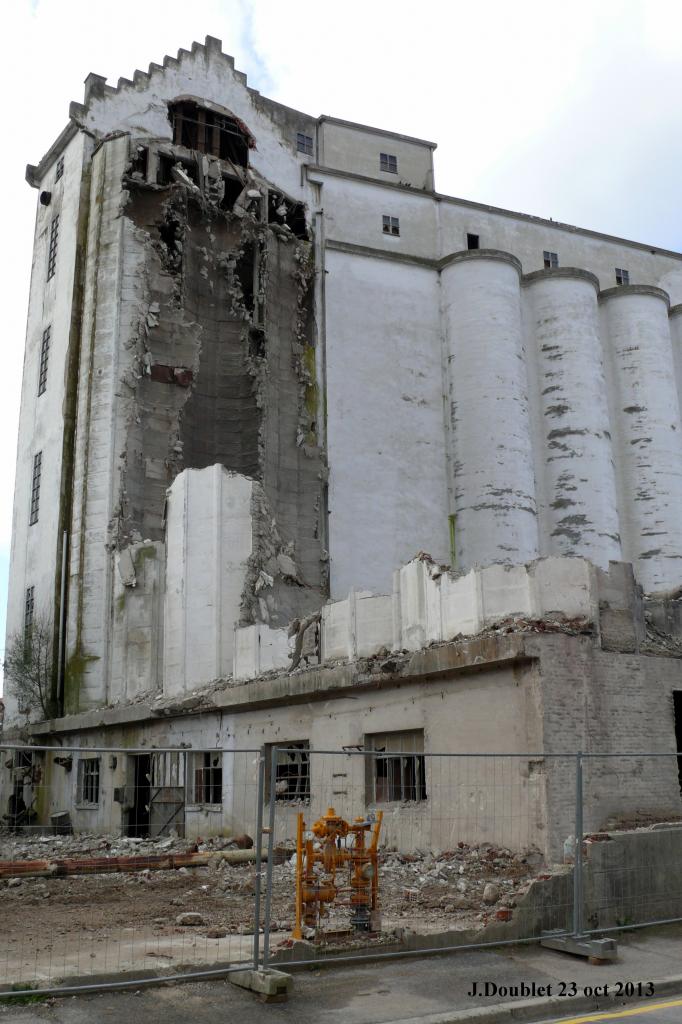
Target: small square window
391	225
292	771
304	143
388	162
551	260
44	355
60	169
87	791
396	768
206	777
472	241
622	276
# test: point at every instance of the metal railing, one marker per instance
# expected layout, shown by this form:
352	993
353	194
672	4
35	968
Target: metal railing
119	866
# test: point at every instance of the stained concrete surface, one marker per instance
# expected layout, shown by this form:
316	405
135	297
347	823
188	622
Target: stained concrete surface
428	990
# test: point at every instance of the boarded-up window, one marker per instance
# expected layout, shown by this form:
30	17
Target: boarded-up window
396	766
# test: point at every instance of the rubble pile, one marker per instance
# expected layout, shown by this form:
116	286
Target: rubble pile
463	888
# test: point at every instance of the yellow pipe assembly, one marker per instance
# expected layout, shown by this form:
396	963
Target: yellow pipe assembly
323	852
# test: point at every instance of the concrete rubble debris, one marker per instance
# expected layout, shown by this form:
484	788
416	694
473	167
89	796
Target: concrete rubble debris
190	919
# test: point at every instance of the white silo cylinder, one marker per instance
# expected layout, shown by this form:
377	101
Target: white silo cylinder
575	458
648	434
493	481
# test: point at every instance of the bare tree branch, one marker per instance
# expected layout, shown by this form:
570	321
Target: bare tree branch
29	660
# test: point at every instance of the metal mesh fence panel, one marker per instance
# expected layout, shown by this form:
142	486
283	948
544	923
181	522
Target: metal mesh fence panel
632	840
463	853
125	861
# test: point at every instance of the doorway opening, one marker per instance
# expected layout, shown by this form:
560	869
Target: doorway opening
677	710
138	817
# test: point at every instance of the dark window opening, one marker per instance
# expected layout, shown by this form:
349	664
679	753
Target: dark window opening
164	168
45	198
472	241
206	777
622	276
167	165
391	225
388	163
257	342
550	259
44	356
233	189
52	248
87	791
207	131
59	173
35	488
292	772
677	711
170	235
244	271
304	143
283	211
396	768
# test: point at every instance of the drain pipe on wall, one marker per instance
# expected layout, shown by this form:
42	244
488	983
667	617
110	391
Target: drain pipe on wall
62	624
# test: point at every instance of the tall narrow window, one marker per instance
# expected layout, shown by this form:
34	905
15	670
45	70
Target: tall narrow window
388	162
52	250
87	789
551	260
29	607
35	488
622	276
206	777
60	169
391	225
472	241
44	356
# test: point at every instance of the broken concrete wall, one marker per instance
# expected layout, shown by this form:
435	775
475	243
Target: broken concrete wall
109	325
208	361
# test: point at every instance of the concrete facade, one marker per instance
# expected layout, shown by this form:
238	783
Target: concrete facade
282	365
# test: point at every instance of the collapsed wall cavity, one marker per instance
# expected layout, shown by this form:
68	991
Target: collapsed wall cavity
224	376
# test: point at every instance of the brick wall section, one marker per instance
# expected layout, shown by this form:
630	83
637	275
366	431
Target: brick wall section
606	702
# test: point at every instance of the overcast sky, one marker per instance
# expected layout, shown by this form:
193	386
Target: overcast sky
569	111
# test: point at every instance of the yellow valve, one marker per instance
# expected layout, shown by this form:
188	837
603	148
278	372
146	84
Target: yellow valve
316	869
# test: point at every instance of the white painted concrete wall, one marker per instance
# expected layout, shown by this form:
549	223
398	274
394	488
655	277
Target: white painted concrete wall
259	649
356	148
490	434
574	456
648	433
35	549
387	485
208	542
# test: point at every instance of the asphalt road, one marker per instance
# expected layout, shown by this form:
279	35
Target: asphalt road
655	1011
